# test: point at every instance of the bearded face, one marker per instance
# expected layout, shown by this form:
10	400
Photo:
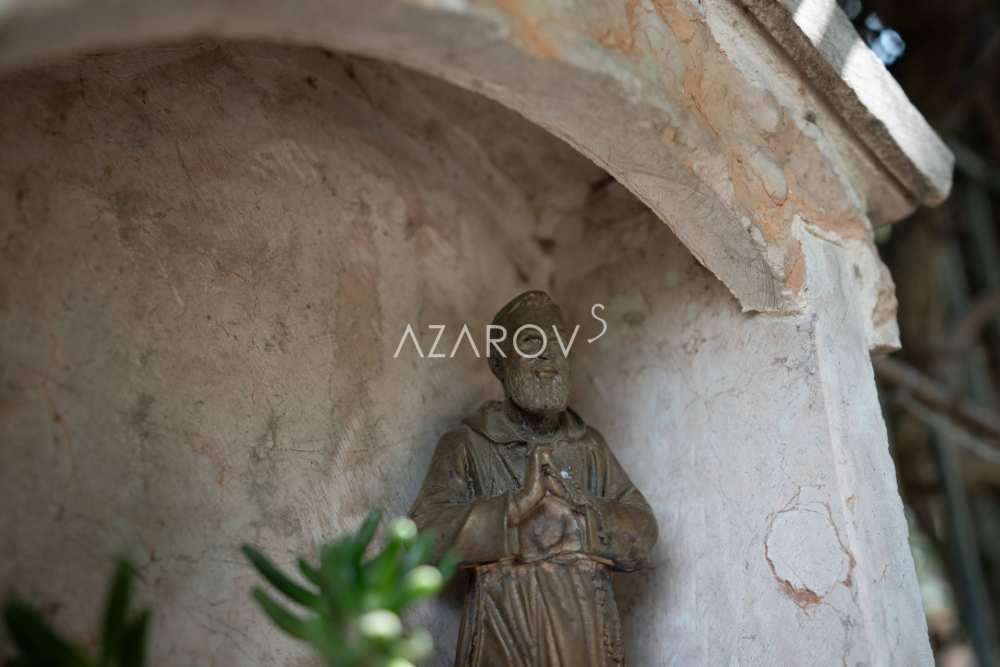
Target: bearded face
541	384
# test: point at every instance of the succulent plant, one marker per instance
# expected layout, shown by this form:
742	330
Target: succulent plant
123	640
349	609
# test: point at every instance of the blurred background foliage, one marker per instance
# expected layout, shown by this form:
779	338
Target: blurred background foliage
940	393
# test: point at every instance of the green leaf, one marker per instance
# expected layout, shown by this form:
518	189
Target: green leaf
279	580
325	637
364	535
115	612
284	619
38	643
133	642
382	574
448	565
340	577
310	572
419	551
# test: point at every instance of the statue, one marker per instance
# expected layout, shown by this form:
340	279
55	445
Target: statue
536	505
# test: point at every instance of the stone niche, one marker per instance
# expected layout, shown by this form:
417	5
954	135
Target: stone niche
209	252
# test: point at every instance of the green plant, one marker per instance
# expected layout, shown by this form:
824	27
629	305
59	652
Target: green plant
351	607
123	639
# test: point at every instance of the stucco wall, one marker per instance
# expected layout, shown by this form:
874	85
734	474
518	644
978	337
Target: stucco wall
209	255
758	441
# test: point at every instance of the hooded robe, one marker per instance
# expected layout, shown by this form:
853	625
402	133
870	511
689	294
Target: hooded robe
559	610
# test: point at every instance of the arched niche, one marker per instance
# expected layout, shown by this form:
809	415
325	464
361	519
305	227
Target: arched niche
212	250
211	254
690	105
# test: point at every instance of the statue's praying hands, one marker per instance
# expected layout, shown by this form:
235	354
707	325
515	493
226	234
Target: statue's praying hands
547	510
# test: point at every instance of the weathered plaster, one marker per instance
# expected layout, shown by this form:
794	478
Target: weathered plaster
772	419
820	38
207	258
690	104
210	254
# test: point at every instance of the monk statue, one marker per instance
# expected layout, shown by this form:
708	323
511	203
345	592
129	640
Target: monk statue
538	508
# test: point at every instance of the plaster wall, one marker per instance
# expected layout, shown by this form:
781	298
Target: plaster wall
759	442
209	255
726	117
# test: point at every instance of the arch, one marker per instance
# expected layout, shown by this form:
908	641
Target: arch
646	93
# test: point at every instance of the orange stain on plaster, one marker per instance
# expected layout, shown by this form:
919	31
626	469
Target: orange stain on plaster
681	25
614	38
803	597
527	30
727	106
795	267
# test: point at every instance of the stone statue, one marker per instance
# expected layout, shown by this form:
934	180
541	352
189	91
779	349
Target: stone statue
537	506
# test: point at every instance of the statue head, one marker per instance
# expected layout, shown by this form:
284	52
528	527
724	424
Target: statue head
534	371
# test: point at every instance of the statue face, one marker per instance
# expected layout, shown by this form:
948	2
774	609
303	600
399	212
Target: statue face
541	384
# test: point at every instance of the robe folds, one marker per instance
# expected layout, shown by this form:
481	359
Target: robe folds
555	611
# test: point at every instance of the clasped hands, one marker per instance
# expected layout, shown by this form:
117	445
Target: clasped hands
548	511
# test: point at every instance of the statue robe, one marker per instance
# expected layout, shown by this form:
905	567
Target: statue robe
559	611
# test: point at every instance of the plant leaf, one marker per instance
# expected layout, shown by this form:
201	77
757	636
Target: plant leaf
279	580
115	612
381	576
310	572
284	619
132	652
340	577
419	551
363	538
325	638
448	565
38	643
